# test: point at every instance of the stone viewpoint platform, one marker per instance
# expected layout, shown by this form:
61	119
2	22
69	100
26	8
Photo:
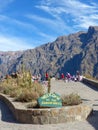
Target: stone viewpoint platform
47	115
88	94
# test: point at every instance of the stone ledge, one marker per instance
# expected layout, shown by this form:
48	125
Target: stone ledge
90	82
47	115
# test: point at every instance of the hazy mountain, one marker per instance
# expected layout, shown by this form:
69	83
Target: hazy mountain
78	51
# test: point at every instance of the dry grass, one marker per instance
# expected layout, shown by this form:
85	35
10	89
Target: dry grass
69	100
22	88
90	77
72	99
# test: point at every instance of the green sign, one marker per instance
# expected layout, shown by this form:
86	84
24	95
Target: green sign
50	100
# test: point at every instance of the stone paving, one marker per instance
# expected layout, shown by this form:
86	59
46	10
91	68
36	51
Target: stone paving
88	94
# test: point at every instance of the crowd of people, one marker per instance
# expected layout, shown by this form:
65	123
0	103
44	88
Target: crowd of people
68	77
40	78
65	77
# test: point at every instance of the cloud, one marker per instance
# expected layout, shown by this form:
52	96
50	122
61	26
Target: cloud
55	25
37	38
80	12
8	43
4	4
64	17
12	21
25	26
46	37
46	21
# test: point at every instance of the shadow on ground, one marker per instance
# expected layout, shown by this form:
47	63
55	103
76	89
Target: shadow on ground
92	87
5	114
93	119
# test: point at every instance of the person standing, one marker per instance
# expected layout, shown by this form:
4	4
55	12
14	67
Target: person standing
46	76
62	76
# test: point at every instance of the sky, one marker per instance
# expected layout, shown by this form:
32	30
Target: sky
26	24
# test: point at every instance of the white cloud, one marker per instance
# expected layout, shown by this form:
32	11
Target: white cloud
19	23
66	16
80	12
4	4
27	26
44	37
8	43
47	38
50	22
56	24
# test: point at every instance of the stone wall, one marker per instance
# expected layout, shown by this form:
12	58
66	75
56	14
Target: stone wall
90	82
47	115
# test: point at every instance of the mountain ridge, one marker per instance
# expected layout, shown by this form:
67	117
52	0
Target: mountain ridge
78	51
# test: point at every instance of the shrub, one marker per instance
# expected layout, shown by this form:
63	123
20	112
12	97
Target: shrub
27	96
22	88
72	99
90	77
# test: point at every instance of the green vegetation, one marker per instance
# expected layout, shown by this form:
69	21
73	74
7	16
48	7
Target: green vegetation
21	88
69	100
72	99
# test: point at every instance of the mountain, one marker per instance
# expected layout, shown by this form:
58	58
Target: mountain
78	51
7	60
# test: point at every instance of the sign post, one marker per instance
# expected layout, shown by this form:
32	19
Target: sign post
50	100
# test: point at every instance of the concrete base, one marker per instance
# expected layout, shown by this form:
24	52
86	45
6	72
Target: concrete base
47	115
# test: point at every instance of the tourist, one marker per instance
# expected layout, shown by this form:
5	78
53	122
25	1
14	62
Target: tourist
62	76
68	76
46	76
78	75
39	77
